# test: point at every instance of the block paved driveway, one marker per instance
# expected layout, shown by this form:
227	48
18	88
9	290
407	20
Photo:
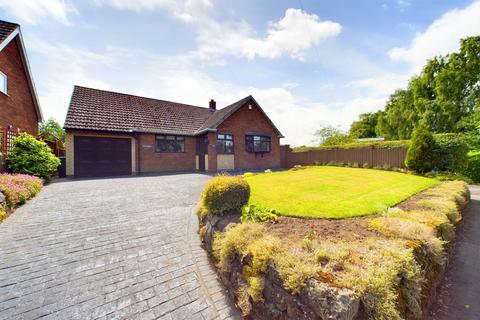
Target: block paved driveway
120	248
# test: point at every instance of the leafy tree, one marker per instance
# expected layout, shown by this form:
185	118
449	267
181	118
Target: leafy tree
331	136
52	131
422	153
31	156
446	95
365	127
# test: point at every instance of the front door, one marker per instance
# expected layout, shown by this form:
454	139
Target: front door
202	150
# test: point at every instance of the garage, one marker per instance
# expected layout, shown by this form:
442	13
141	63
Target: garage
98	156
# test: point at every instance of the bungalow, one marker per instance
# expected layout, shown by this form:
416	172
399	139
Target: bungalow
109	133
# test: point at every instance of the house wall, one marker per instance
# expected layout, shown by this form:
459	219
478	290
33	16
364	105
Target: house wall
17	108
243	121
70	148
151	161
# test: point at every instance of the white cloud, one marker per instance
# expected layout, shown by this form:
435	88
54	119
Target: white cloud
185	10
67	66
31	11
292	35
441	37
380	86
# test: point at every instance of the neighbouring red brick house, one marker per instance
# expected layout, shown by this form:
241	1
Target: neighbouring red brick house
112	133
19	106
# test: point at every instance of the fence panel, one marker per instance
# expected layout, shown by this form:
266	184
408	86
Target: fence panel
394	157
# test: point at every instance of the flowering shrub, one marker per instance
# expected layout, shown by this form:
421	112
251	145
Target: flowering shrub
18	188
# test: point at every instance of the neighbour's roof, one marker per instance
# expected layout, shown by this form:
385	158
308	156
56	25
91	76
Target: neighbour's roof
100	110
6	28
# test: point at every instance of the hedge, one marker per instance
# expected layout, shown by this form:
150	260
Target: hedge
472	167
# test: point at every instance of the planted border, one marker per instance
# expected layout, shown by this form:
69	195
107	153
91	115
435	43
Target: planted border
389	276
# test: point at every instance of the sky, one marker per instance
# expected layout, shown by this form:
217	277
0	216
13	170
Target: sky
309	63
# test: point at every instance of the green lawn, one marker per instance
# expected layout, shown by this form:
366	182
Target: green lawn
333	192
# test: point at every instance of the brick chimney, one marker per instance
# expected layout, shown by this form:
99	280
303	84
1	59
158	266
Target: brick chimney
212	105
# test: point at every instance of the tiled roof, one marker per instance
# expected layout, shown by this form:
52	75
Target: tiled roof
6	28
94	109
100	110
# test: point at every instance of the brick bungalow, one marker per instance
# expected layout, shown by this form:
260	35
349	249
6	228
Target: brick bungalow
111	133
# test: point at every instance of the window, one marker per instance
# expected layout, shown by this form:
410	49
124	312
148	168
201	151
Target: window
166	143
3	82
257	143
224	143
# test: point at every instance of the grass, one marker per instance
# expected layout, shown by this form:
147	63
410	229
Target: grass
333	192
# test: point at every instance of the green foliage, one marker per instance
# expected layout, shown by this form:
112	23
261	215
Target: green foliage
52	131
446	95
452	152
387	144
472	167
422	152
225	194
365	127
255	214
331	136
31	156
18	188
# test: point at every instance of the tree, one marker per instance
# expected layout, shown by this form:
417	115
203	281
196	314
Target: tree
364	127
31	156
52	131
446	95
422	153
331	136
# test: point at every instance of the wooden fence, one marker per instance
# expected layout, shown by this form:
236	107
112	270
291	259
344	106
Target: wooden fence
7	135
394	157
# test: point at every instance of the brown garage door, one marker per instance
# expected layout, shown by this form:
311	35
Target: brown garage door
96	157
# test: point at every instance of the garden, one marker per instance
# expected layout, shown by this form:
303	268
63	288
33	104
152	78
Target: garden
326	242
30	163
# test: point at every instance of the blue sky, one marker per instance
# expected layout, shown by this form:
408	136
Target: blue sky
308	63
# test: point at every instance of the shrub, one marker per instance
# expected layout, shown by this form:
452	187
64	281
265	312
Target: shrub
18	188
472	167
421	154
451	152
31	156
225	194
255	214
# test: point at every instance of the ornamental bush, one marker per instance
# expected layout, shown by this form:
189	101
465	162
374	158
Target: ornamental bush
18	188
225	194
422	153
31	156
472	167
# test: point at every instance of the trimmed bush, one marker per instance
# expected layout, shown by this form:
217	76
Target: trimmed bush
422	153
31	156
225	194
472	167
452	152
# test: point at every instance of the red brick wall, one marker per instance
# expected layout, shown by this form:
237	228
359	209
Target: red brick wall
151	161
17	108
245	120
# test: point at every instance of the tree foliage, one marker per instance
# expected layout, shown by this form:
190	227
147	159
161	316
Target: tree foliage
446	96
422	153
365	127
31	156
52	131
331	136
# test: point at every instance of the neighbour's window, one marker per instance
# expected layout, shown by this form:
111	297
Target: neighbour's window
166	143
224	143
3	82
258	143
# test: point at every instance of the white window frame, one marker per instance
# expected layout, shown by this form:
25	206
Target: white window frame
5	88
